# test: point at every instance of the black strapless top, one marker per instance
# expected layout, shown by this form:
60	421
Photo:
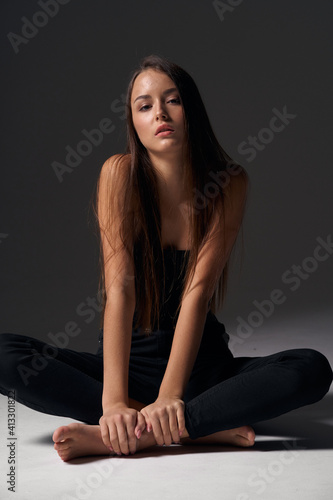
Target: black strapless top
173	260
170	296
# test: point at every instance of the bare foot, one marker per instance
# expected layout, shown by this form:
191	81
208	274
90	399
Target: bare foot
79	440
240	436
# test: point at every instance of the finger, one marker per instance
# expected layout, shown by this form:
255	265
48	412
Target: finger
181	420
130	430
165	426
149	426
114	436
122	438
132	439
140	426
115	444
173	423
105	433
157	430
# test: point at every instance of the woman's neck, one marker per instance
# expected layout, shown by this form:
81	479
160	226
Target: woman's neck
170	180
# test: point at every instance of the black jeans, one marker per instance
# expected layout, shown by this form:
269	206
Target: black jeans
223	392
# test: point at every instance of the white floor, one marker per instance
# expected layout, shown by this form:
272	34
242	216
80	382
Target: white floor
292	457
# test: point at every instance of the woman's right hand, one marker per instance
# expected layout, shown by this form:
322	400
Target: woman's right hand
120	427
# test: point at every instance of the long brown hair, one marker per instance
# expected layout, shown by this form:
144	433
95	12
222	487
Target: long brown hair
205	161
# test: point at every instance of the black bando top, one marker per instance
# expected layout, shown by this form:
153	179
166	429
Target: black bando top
174	275
170	296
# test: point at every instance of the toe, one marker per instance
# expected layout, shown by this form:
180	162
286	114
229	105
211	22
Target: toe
59	434
245	440
64	456
64	445
241	440
251	435
65	432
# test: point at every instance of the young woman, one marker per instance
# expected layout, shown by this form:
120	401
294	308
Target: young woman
168	211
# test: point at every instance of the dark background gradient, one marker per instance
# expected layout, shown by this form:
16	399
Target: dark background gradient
73	72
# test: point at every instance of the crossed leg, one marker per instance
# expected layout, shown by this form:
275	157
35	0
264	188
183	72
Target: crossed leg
260	388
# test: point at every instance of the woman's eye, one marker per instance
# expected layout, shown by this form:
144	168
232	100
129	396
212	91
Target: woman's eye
144	107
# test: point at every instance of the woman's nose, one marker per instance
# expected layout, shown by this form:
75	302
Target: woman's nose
161	113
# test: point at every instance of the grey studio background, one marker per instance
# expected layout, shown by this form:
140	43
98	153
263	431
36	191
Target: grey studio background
65	68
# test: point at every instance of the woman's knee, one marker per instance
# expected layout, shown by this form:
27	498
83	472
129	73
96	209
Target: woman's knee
317	370
6	348
15	351
7	344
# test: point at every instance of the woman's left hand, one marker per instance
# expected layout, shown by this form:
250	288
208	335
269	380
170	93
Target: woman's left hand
165	417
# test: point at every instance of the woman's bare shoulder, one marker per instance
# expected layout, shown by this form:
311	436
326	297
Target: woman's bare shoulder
116	162
113	179
112	186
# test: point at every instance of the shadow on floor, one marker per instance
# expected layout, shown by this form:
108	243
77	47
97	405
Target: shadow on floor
311	425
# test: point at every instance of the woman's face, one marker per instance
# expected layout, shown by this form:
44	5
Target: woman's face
155	102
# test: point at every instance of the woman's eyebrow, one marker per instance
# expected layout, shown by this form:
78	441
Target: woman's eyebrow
166	92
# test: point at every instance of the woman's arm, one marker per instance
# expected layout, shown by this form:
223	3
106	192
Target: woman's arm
117	334
119	422
119	283
211	261
185	347
165	415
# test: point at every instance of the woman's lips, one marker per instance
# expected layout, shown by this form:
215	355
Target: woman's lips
165	132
